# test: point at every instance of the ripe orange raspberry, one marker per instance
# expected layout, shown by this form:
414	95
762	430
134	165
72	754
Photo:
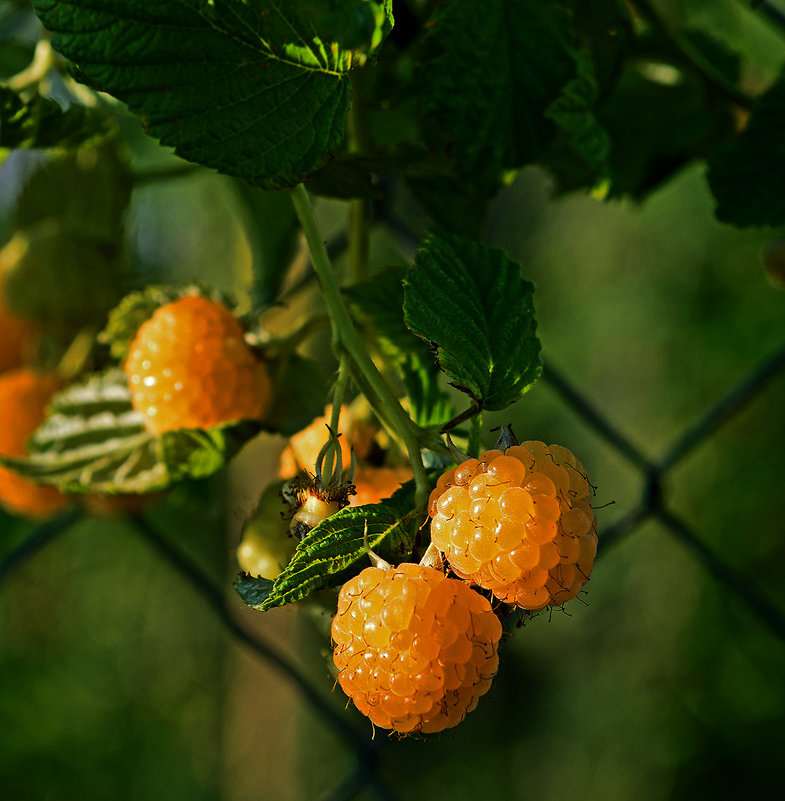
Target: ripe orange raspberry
518	523
24	396
189	367
371	484
414	649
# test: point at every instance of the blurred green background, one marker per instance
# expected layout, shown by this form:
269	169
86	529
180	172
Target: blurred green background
118	682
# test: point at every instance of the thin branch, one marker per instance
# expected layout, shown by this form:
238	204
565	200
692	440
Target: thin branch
611	536
592	416
215	599
773	617
364	775
39	538
345	333
465	415
725	408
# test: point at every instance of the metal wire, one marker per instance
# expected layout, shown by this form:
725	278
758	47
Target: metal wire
363	777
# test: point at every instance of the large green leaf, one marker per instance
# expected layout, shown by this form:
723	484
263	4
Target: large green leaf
352	24
471	304
604	29
748	174
661	115
93	440
335	547
253	89
580	152
490	71
43	123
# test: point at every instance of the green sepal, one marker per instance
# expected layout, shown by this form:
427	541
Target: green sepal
138	307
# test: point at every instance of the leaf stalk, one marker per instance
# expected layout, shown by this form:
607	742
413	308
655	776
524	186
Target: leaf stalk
383	400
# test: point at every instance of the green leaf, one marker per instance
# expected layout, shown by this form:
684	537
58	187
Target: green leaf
334	549
253	89
604	29
352	24
129	314
43	123
198	453
429	405
581	151
659	118
254	590
93	440
379	302
490	72
746	175
61	281
470	303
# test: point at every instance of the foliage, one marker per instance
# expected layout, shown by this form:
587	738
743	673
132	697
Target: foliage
361	102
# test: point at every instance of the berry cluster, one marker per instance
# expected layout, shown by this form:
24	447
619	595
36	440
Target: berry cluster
189	367
414	649
518	523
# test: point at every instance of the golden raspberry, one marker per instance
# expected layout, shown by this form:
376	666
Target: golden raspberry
189	367
414	649
518	523
24	396
372	484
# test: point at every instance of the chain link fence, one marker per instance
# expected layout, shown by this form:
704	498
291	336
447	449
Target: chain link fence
653	504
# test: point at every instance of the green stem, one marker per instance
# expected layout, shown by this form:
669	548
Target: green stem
348	340
339	389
